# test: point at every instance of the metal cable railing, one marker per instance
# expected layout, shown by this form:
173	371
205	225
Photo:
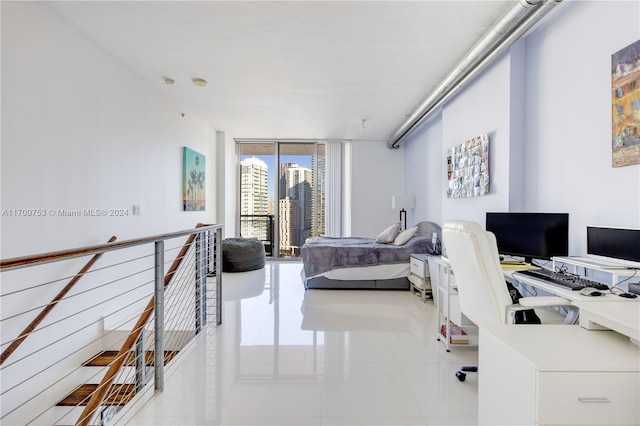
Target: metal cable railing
103	343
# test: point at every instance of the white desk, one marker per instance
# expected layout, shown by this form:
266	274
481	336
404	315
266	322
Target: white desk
574	296
596	313
613	315
556	374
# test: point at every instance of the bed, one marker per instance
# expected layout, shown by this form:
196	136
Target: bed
365	263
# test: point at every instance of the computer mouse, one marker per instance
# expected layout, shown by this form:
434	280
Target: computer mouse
590	291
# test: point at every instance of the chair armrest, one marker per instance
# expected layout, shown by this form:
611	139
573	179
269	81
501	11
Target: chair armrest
541	302
544	301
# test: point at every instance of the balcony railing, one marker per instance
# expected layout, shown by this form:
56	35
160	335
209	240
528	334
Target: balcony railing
260	226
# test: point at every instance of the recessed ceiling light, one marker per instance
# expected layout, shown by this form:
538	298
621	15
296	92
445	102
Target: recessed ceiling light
199	82
169	81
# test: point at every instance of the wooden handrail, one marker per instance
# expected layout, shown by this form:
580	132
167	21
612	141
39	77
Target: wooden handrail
32	326
21	262
115	366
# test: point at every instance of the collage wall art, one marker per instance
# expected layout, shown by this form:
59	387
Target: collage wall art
468	168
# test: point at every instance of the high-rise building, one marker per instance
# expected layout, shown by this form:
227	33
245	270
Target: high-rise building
289	226
295	184
317	183
254	198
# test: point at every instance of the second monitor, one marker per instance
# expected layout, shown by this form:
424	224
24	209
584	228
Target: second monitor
530	235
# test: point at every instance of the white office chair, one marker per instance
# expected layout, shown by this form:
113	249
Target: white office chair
483	294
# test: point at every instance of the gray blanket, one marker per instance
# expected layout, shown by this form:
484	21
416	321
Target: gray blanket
322	254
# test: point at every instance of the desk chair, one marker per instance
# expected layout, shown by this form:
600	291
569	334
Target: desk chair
483	294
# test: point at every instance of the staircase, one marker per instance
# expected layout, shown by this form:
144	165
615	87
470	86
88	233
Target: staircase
119	394
180	301
105	358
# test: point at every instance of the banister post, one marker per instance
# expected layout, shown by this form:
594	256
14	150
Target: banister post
140	362
217	252
211	266
158	355
201	282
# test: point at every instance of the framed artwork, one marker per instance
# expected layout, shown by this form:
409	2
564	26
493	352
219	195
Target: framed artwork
625	101
468	168
193	182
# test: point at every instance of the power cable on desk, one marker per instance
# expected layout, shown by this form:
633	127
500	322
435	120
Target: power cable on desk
625	293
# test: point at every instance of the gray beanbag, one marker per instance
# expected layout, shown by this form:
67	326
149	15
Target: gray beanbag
242	254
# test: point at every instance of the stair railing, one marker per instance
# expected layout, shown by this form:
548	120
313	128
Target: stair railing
156	302
172	317
43	314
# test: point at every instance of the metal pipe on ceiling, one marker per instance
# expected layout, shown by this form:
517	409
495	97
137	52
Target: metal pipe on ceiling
512	25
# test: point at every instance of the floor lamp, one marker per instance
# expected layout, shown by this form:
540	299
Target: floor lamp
403	202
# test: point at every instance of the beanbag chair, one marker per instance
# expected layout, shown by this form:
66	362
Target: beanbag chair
242	254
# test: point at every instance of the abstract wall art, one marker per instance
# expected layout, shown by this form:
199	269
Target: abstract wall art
468	168
625	100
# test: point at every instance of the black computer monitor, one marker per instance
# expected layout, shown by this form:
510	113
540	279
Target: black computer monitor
530	235
614	243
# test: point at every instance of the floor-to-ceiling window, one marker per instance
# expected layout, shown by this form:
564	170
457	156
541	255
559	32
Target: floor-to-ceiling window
282	194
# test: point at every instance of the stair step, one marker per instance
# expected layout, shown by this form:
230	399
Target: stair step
105	358
118	394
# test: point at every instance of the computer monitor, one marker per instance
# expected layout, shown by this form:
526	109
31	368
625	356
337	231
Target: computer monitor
530	235
616	244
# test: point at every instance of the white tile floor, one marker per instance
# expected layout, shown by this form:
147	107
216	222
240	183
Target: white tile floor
286	356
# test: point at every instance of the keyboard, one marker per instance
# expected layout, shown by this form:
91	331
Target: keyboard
569	281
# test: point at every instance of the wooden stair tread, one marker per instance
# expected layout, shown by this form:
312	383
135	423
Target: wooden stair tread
118	394
105	358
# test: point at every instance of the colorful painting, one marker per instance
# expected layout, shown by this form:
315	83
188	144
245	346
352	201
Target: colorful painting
468	168
625	96
193	186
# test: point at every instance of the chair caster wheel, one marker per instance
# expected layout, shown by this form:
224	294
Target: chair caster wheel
461	376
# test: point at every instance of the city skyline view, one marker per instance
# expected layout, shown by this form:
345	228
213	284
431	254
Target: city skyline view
298	204
301	160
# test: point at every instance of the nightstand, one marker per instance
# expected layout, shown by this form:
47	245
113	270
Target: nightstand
419	275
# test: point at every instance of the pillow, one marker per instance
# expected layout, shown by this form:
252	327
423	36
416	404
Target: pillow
405	236
388	235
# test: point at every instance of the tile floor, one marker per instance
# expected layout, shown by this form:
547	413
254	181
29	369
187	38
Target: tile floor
286	356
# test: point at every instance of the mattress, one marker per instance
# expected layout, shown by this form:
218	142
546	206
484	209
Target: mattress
385	277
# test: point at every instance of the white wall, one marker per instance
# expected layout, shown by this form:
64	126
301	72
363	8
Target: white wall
80	131
377	175
568	108
546	105
424	170
482	107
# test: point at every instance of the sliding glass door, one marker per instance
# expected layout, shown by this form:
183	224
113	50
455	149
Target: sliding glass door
281	194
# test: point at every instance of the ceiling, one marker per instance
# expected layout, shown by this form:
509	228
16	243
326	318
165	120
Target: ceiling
290	69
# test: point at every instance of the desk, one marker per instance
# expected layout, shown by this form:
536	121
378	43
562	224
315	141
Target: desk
555	374
621	317
574	296
608	311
